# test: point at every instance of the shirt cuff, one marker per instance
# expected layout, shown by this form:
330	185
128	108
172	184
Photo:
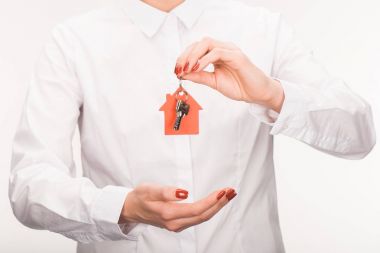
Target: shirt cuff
263	114
294	102
106	213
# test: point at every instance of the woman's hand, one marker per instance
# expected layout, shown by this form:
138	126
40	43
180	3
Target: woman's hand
235	76
157	205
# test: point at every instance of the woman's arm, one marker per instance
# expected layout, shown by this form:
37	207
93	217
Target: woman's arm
44	191
319	109
299	99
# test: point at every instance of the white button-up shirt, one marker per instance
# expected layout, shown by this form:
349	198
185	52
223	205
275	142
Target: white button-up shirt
109	71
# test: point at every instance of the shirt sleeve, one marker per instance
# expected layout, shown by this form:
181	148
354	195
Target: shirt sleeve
44	191
319	109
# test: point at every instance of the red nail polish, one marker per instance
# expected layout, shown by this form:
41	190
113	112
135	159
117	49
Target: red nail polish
196	66
233	196
220	195
230	194
176	70
179	71
186	67
181	194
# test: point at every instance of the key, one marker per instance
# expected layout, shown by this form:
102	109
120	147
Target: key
182	109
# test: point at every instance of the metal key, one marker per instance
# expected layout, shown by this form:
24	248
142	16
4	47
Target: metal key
182	109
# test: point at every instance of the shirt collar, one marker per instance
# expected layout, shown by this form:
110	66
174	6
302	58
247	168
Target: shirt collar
149	19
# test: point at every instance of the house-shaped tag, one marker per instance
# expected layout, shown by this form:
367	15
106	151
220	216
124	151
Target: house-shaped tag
189	123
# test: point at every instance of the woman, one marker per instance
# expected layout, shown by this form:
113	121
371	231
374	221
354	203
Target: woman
111	70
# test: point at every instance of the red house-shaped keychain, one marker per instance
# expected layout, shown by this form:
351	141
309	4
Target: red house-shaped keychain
189	123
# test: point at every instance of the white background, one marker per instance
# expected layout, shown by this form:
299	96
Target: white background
326	204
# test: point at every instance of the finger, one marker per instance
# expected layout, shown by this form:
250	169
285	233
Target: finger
172	211
183	223
218	56
187	61
202	77
202	48
181	60
215	56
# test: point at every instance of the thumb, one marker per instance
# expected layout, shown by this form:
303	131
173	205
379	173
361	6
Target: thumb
168	193
174	193
201	77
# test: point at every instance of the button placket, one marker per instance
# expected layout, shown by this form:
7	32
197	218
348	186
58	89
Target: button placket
181	142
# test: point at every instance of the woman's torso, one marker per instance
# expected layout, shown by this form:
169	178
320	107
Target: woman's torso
125	77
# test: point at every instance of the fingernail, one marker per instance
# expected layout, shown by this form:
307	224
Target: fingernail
186	67
181	194
233	196
176	70
220	195
179	70
196	66
230	194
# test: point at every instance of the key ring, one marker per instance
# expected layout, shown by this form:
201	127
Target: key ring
181	89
